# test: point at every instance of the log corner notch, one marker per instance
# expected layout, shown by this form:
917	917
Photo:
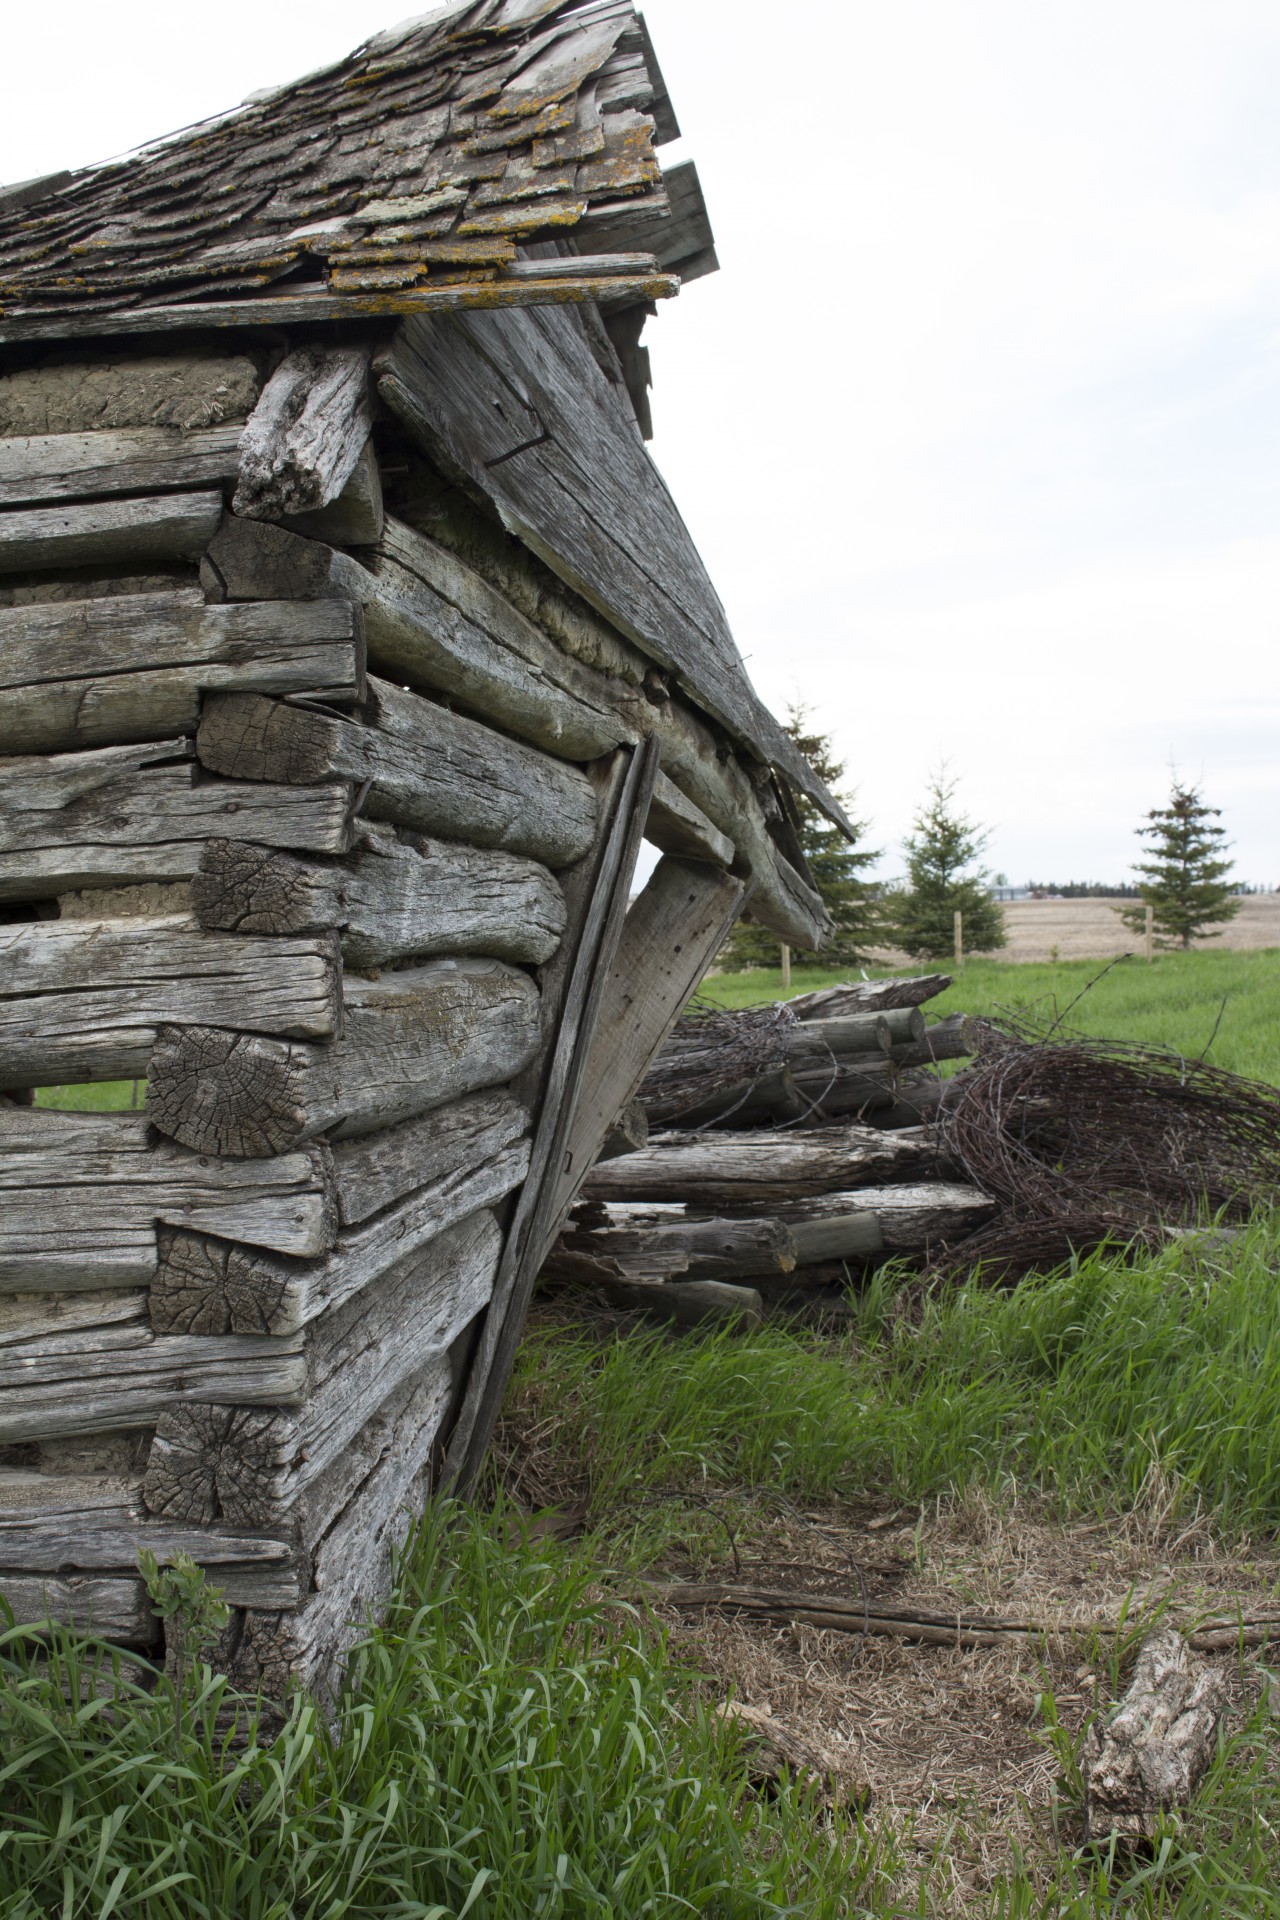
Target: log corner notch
304	439
1153	1752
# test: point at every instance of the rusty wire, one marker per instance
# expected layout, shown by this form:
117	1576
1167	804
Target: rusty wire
713	1052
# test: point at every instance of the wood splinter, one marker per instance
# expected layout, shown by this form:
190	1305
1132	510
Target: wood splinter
1153	1752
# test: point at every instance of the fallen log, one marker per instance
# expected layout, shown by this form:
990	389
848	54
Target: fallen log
634	1245
686	1303
760	1168
868	996
410	1041
910	1218
399	895
423	767
1151	1754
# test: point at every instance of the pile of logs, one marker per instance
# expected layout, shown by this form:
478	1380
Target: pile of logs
772	1153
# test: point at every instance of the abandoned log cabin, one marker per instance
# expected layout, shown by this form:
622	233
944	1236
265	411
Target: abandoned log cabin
351	645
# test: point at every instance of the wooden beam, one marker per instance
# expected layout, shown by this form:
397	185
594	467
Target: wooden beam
306	433
175	526
424	768
143	814
81	1193
88	673
85	999
398	896
411	1041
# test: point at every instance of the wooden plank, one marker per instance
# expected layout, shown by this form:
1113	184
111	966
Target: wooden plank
177	526
306	433
84	1000
87	673
676	826
763	1168
305	309
83	466
425	768
597	894
411	1041
398	896
81	1193
212	1286
122	814
581	493
248	1469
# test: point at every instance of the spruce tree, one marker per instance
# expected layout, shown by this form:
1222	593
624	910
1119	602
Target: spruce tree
837	866
1185	879
943	881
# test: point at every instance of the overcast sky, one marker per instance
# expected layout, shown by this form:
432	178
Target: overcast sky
977	427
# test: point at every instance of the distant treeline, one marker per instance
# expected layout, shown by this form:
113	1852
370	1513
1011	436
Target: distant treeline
1098	890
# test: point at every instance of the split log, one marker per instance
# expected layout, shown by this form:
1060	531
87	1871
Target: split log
868	996
129	814
85	999
185	391
400	895
86	673
81	1193
424	767
910	1218
433	620
410	1041
853	1033
635	1245
677	826
307	432
761	1168
85	466
1151	1755
247	1467
353	1517
629	1132
210	1286
175	526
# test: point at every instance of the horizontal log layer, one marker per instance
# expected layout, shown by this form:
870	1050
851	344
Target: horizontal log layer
115	1607
81	1193
87	673
758	1168
435	621
142	814
424	768
249	1468
411	1041
37	1316
398	896
649	1240
175	526
84	466
85	999
354	1515
209	1286
375	1170
689	1303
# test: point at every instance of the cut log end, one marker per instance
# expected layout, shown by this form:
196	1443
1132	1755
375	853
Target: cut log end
225	1093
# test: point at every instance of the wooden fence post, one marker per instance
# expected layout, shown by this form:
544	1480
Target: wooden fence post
786	968
1150	935
959	932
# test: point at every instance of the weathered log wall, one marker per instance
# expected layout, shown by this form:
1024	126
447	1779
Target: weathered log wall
354	932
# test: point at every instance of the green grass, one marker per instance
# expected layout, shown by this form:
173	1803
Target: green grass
1176	1002
503	1750
1083	1385
98	1096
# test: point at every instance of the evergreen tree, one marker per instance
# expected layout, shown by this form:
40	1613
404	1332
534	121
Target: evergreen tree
837	866
942	881
1185	879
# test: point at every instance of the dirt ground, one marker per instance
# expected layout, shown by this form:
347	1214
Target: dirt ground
1093	929
948	1740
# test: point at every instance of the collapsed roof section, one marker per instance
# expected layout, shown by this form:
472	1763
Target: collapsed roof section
404	179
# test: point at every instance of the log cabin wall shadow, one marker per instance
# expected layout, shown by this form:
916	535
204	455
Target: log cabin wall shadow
350	644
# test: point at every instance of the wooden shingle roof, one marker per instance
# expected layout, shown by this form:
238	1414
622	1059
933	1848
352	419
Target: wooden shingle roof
404	179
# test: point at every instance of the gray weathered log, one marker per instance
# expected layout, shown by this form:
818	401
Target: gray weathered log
305	435
425	768
137	814
629	1132
858	1033
375	1170
85	999
249	1468
81	1193
353	1517
211	1286
34	1316
759	1168
174	526
856	1235
399	895
868	996
910	1218
677	826
689	1303
85	466
87	673
635	1245
777	1748
356	518
186	391
410	1041
1154	1750
114	1608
